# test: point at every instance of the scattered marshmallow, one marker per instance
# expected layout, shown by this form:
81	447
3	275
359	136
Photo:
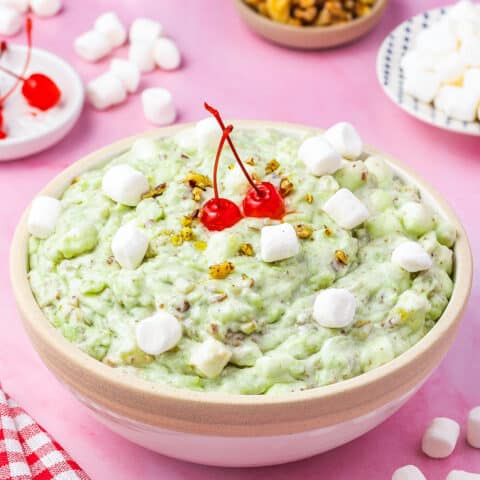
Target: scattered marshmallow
422	85
319	156
412	257
345	140
210	357
346	209
145	30
45	8
129	245
458	102
92	46
278	242
10	21
127	72
144	148
470	51
105	91
440	438
207	133
473	427
20	6
158	333
141	54
110	25
334	308
166	54
408	472
462	475
43	216
158	106
124	184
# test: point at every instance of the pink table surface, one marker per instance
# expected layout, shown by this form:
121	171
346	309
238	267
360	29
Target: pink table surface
249	78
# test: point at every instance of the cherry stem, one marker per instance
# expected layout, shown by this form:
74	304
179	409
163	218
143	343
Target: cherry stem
225	134
217	116
13	74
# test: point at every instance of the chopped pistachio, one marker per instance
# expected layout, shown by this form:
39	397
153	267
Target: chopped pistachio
176	239
303	231
246	249
271	166
194	179
286	187
74	180
309	198
197	193
200	245
155	192
221	270
250	161
341	257
230	166
186	233
327	231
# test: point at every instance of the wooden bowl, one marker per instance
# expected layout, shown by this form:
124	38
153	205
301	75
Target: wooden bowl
310	38
247	430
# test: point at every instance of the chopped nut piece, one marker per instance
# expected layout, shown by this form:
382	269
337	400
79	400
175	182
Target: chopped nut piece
271	166
213	327
183	307
197	193
110	259
155	192
74	180
186	233
220	297
230	166
309	198
250	161
246	249
194	179
341	257
176	239
250	281
221	270
286	187
327	231
187	220
303	231
200	245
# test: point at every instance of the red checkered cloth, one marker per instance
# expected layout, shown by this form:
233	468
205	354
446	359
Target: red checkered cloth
27	451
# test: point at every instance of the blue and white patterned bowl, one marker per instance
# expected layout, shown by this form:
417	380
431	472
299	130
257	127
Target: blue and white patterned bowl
392	77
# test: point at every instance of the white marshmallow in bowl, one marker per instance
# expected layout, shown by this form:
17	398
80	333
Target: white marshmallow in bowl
158	106
458	102
125	185
43	216
45	8
470	51
10	21
278	242
208	133
412	257
440	438
158	333
145	30
210	357
423	85
20	6
345	139
319	156
346	209
141	54
166	54
111	26
92	46
471	80
450	68
129	245
127	72
464	10
414	61
334	308
408	472
105	91
440	38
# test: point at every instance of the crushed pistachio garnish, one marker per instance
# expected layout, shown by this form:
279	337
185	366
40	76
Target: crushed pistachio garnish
246	249
230	166
155	192
271	166
197	193
327	231
200	245
194	179
309	198
303	231
74	180
341	257
250	161
286	187
176	239
187	220
186	234
255	178
221	270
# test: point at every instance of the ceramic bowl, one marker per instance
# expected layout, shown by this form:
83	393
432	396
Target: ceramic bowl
310	38
72	101
237	430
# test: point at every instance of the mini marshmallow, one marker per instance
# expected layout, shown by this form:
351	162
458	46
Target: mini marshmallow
462	475
408	472
166	54
450	68
414	61
92	46
105	91
158	106
158	333
45	8
346	209
127	72
124	184
319	156
20	6
345	139
422	85
208	133
440	438
278	242
464	10
10	21
412	257
210	357
473	427
334	308
110	25
145	30
471	80
470	51
129	245
144	148
439	39
141	54
458	103
43	216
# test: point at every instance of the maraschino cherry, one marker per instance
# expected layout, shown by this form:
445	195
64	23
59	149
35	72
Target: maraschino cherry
220	213
262	199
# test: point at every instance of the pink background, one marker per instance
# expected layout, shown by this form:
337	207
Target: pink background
246	77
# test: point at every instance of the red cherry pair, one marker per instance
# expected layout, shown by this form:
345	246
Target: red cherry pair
261	200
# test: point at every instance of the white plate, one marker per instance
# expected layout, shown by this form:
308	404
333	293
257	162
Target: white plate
391	75
71	101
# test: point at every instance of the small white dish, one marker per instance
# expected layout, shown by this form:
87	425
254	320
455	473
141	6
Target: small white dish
66	113
391	74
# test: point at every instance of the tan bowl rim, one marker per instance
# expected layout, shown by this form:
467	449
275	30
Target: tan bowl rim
149	391
315	30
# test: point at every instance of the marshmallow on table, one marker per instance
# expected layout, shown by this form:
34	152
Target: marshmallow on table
124	184
473	427
141	54
462	475
278	242
43	216
45	8
470	51
458	102
208	133
440	438
166	54
158	106
105	91
110	25
127	72
92	46
345	139
10	21
19	5
145	30
346	209
408	472
334	308
412	257
422	85
319	156
129	245
158	333
210	357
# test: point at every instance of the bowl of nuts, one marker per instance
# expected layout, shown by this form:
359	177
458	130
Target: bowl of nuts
311	24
